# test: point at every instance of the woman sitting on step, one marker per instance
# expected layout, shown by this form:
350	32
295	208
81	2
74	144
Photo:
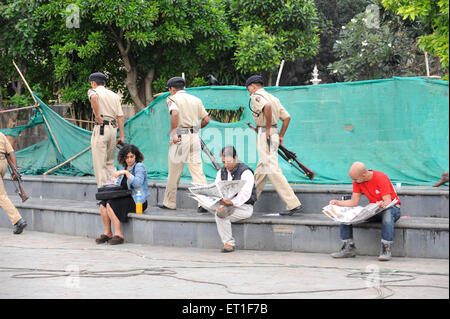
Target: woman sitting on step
133	176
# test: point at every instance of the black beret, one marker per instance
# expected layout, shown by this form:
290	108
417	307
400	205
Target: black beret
97	76
176	81
254	79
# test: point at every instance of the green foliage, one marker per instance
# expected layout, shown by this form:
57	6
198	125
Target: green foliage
270	31
374	51
332	15
198	81
256	50
435	16
19	28
22	40
140	43
226	116
21	100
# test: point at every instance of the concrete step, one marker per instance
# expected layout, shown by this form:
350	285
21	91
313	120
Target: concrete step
414	236
417	201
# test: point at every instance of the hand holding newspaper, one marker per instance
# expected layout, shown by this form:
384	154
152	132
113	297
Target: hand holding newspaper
354	215
210	195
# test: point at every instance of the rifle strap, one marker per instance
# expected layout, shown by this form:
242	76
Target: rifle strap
250	105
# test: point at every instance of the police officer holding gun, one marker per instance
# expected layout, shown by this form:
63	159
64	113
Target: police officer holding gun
187	113
108	112
14	216
267	111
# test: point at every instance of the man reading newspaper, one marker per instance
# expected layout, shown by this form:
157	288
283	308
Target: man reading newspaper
378	189
239	206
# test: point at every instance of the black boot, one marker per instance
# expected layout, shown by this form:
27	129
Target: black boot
291	212
19	226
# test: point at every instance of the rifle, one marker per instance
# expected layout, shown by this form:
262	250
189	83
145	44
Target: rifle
288	156
210	155
14	172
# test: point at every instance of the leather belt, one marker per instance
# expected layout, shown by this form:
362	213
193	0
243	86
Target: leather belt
186	130
105	122
263	128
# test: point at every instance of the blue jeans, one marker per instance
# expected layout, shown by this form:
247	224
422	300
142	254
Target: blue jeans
387	218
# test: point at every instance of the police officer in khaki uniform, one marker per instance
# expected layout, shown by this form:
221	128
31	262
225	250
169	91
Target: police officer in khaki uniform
108	113
5	203
187	116
267	111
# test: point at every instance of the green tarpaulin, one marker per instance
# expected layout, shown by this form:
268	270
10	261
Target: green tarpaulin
398	126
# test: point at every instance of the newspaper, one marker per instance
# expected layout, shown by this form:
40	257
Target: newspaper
210	195
354	215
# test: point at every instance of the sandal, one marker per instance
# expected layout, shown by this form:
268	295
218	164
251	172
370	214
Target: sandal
102	239
116	240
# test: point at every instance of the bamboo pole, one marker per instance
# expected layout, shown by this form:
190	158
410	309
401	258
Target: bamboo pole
43	116
76	120
69	160
18	109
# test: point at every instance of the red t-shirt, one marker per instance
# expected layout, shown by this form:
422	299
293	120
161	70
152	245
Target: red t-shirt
379	186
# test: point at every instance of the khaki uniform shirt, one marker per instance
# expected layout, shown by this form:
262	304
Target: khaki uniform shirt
5	146
261	98
190	108
108	103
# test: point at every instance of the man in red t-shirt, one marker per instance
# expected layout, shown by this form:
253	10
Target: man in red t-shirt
378	189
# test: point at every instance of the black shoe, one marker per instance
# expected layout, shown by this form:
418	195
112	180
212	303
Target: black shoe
19	226
291	212
165	207
200	209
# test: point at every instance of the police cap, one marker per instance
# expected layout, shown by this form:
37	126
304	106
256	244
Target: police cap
99	76
254	79
176	82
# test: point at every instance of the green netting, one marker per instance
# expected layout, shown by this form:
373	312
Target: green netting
399	126
36	119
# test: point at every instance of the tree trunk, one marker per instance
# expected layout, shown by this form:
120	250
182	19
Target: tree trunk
18	86
148	86
269	82
132	73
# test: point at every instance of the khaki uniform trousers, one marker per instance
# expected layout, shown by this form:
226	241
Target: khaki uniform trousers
268	168
103	151
188	151
224	224
5	202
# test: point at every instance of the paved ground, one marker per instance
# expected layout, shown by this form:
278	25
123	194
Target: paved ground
44	265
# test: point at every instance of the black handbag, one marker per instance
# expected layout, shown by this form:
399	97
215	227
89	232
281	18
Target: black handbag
111	191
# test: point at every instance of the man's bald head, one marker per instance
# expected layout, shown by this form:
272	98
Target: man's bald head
359	173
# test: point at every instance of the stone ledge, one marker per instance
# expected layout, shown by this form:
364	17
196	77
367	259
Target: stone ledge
187	215
316	233
298	188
